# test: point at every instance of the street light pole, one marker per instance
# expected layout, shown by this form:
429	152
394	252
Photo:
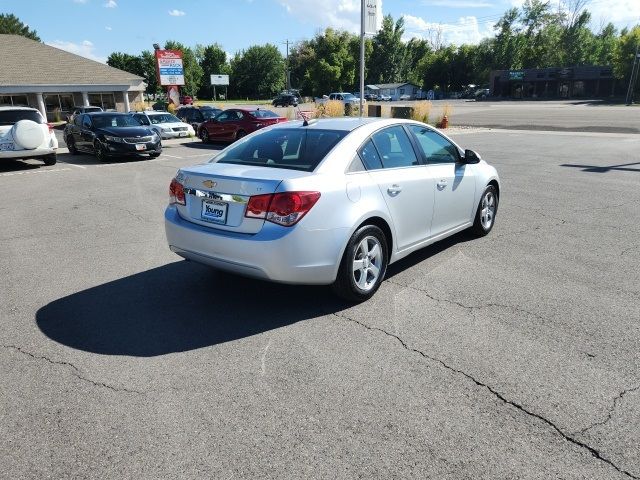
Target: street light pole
362	14
634	74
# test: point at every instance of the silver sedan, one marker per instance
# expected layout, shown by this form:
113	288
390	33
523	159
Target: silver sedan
332	201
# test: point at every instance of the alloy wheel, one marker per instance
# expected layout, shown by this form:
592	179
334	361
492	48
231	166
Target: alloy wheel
488	210
367	263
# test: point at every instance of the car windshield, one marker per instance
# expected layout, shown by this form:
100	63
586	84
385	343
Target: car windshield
292	149
348	96
102	121
264	114
210	112
9	117
163	118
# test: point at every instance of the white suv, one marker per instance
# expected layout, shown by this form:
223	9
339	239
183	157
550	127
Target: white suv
165	124
24	133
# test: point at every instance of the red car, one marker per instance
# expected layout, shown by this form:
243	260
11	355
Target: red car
235	123
186	100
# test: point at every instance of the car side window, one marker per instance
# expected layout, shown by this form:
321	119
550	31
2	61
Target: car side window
370	157
142	119
77	121
436	148
86	122
395	148
239	115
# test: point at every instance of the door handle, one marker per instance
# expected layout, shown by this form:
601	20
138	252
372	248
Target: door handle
394	189
441	184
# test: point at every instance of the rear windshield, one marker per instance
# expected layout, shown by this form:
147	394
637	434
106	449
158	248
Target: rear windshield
264	114
9	117
293	149
163	118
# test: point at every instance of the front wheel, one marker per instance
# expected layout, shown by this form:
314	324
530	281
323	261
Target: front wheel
71	145
486	213
204	135
101	155
240	134
363	265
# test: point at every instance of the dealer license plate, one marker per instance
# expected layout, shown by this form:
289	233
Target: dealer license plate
213	211
7	146
183	134
140	146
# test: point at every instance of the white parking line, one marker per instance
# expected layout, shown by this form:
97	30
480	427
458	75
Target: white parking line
172	156
29	172
73	165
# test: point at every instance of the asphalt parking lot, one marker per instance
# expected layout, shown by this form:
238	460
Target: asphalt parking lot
511	356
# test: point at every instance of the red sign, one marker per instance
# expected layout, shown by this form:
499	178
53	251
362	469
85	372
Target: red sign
169	67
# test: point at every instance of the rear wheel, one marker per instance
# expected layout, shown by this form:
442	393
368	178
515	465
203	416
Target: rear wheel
486	214
240	134
363	265
204	135
50	159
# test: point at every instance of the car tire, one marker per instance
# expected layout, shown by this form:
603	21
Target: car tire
71	145
204	135
240	134
101	155
50	159
486	212
366	252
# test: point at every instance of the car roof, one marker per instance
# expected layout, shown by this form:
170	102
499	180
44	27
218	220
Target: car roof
104	114
346	124
11	107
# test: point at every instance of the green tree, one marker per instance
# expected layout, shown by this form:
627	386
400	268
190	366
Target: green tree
128	63
10	24
257	72
624	53
387	58
213	60
192	69
149	71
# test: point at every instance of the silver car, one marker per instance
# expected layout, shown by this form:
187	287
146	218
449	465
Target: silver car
332	201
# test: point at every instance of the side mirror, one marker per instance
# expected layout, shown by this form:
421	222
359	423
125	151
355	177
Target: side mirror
471	157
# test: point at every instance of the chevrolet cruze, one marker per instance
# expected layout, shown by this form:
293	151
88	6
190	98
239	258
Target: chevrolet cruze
332	201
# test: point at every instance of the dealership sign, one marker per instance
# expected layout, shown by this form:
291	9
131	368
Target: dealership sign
170	69
516	75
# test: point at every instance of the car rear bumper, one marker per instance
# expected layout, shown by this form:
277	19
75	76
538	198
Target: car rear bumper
279	254
35	153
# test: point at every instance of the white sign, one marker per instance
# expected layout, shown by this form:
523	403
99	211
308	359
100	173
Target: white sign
219	79
372	15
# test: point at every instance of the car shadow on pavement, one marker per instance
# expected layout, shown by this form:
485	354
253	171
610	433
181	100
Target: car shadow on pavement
177	307
9	165
206	146
183	306
623	167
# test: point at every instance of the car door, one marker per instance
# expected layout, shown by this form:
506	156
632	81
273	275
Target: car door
454	181
86	136
216	127
404	182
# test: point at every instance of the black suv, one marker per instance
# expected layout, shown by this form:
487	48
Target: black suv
109	134
285	100
196	116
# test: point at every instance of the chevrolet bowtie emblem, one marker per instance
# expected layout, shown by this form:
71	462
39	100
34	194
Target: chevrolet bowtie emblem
209	183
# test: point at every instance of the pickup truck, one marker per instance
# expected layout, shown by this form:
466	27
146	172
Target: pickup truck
345	98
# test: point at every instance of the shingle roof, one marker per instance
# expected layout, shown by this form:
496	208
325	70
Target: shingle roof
27	62
394	85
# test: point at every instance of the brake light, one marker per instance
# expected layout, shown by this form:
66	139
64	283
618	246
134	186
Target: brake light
50	125
286	208
176	193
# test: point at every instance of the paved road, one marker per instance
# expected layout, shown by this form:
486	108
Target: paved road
510	356
577	116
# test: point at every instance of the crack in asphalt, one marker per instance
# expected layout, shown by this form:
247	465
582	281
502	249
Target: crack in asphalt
470	308
74	370
568	437
610	413
529	230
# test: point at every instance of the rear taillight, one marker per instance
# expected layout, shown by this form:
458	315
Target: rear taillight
286	208
176	193
50	125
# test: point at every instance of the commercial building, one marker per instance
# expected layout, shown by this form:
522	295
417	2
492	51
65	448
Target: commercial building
395	90
572	82
53	80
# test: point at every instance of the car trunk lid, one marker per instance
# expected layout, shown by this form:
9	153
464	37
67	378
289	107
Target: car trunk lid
216	194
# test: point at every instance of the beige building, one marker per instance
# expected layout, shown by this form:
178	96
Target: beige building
54	81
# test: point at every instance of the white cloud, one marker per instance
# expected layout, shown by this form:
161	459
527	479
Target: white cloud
338	14
458	3
111	4
80	1
466	30
85	49
108	28
176	13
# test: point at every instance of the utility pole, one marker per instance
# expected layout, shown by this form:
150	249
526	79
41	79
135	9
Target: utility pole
362	28
634	74
287	75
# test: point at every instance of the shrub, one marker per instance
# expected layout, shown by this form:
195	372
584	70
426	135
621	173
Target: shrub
334	108
421	111
57	117
138	107
171	108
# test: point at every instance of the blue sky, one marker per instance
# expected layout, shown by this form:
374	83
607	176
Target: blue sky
95	28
